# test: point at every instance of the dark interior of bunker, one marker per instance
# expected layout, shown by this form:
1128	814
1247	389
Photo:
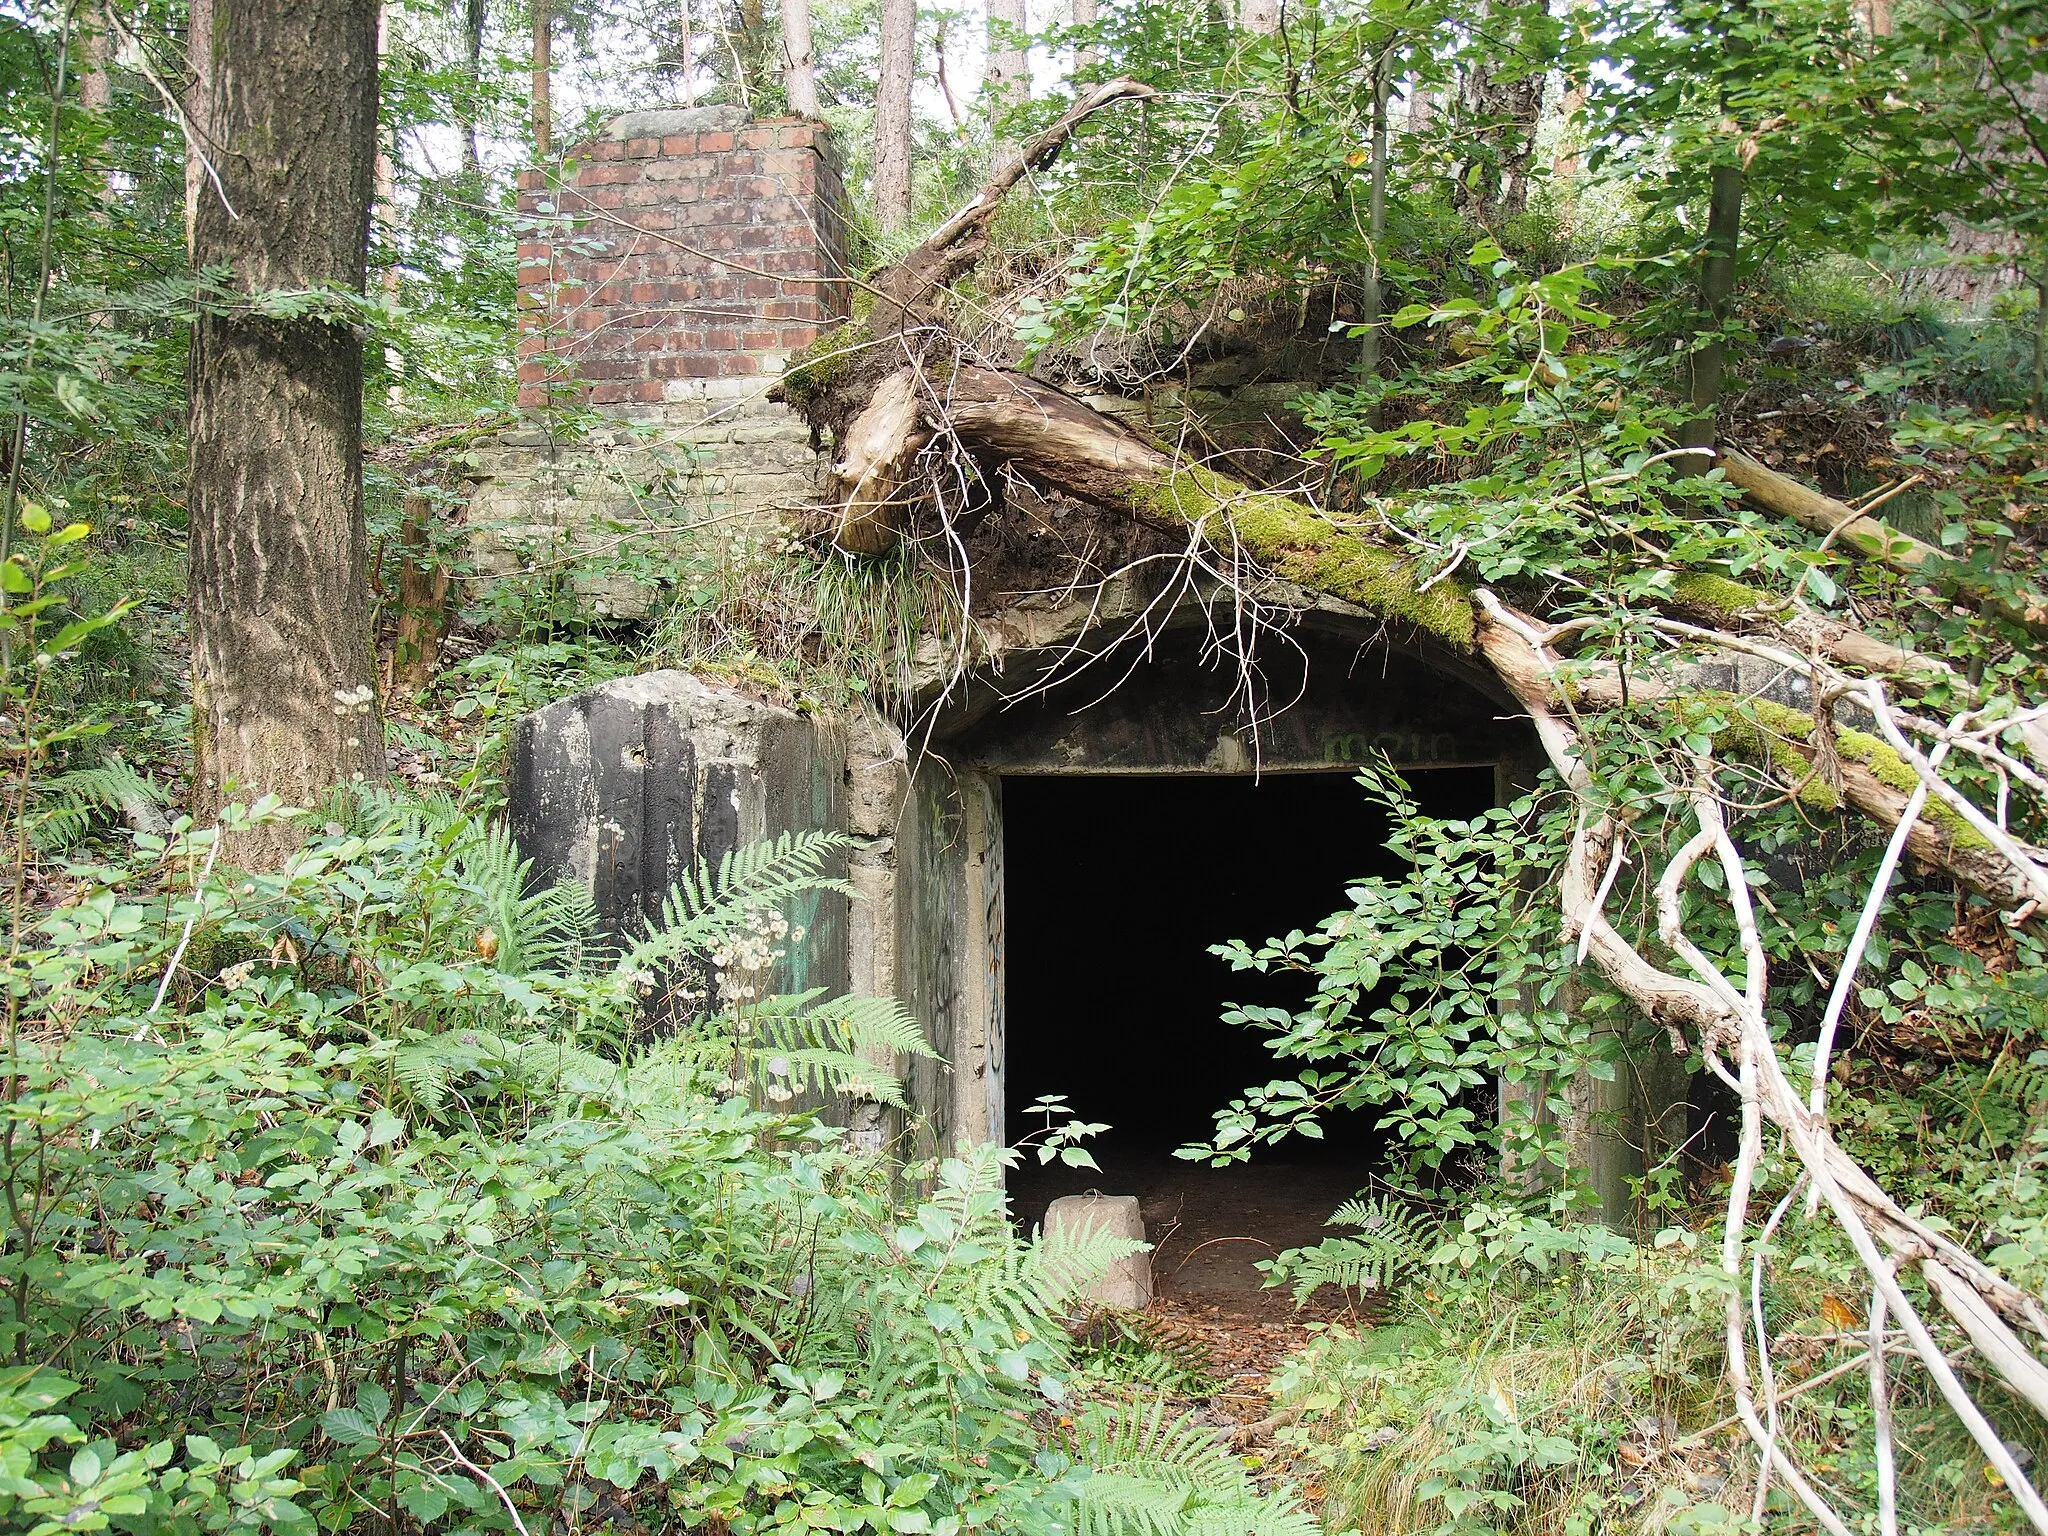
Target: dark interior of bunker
1117	886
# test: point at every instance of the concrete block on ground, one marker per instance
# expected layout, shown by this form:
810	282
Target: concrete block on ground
1128	1282
624	786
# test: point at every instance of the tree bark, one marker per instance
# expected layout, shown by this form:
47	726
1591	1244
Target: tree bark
799	58
1704	365
96	82
543	73
1500	107
473	52
892	114
1009	69
1087	57
423	587
197	106
282	666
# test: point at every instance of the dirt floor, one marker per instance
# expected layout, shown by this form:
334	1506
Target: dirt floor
1209	1227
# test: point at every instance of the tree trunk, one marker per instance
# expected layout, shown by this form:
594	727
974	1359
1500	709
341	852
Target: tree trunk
96	83
799	58
1009	69
892	114
1087	57
423	585
282	667
1371	305
473	51
543	67
1500	108
1717	288
197	106
751	54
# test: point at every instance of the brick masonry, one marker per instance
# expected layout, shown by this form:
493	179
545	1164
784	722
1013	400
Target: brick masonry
686	246
664	282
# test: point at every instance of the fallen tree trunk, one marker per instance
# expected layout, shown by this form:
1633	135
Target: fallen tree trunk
1874	538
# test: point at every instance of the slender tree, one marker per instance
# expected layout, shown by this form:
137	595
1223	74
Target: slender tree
1009	68
197	105
799	58
892	113
1087	57
543	67
1706	364
465	112
282	691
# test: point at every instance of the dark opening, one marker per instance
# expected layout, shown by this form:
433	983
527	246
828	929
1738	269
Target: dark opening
1115	887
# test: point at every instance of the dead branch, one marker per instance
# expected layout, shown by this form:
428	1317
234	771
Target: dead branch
1983	1303
1871	537
877	448
956	245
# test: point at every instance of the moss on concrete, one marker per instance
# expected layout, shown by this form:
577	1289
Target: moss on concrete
1295	542
827	361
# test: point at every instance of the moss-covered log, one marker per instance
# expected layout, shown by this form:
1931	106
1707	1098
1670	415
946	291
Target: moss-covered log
1063	445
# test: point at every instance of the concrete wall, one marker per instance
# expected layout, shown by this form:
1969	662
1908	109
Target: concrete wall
622	788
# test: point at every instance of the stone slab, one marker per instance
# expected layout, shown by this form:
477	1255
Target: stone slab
1128	1283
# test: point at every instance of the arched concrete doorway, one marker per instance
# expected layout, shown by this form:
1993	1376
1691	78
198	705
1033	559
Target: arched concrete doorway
1144	769
1075	840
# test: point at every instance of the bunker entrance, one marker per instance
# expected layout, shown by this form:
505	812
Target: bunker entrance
1116	886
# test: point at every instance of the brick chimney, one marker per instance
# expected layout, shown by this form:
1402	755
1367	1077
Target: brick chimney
688	255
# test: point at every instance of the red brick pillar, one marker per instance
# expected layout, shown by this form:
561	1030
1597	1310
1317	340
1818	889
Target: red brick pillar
690	253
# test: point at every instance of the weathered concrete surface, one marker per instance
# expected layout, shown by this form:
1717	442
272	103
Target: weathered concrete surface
1330	698
625	786
948	925
1128	1282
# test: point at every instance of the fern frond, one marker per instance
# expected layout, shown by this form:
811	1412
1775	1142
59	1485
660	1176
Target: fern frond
703	907
1392	1240
68	804
431	1066
1152	1475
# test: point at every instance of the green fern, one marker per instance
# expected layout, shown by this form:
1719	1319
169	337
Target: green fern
705	907
842	1046
1392	1240
434	1068
1155	1475
69	805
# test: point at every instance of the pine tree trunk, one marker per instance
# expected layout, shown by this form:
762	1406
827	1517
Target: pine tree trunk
799	58
1009	70
197	106
892	113
96	83
1087	59
282	668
